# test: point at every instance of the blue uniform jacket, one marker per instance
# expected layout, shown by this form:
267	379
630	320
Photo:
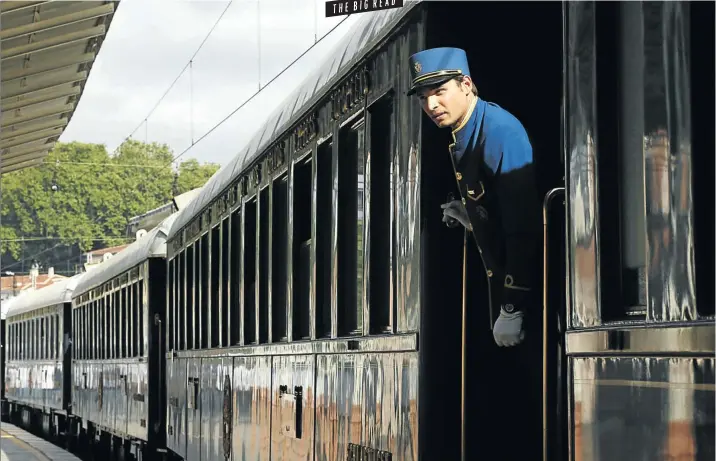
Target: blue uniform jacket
495	173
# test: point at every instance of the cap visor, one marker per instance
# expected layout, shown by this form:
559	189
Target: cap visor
430	82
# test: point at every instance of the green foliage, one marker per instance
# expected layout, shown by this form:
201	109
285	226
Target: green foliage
95	197
193	175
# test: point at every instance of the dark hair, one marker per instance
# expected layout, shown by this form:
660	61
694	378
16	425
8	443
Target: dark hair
460	78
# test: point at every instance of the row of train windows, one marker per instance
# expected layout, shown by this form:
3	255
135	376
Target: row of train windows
223	293
110	327
35	339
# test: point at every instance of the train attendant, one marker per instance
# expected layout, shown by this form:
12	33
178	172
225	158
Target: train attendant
499	202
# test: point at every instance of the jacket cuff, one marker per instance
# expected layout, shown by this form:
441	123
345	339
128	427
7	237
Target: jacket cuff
517	295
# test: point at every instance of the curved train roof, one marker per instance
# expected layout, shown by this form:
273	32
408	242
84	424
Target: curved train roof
153	244
357	42
57	293
5	306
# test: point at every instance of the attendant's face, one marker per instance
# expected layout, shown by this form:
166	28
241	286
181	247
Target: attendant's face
447	104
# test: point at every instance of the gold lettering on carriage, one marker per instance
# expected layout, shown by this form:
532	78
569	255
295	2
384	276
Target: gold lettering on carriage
343	7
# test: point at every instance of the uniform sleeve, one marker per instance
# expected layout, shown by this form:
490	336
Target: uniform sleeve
519	204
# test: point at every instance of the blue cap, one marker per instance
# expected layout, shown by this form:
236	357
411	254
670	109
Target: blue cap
436	65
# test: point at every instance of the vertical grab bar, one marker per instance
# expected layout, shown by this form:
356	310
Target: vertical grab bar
545	315
463	453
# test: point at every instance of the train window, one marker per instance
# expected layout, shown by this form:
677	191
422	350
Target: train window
324	224
235	278
350	228
93	331
379	172
106	316
264	239
40	338
279	243
51	346
115	324
643	144
124	323
59	334
84	324
56	331
89	333
170	332
701	80
135	319
176	306
225	292
116	321
216	319
89	315
108	307
75	339
249	322
92	334
620	122
131	320
27	342
191	322
302	219
181	313
49	338
77	334
142	332
101	320
205	295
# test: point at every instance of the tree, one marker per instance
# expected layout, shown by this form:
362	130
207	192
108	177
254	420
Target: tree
193	175
82	198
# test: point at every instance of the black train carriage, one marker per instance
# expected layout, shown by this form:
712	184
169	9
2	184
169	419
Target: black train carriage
118	383
37	351
314	303
3	352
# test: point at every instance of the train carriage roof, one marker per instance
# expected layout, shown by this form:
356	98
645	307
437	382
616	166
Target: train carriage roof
364	35
58	293
153	244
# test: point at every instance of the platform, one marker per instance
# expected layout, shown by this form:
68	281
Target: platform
18	445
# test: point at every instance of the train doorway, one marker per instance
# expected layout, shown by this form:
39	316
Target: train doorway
515	51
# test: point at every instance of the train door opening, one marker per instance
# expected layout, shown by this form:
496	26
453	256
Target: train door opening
515	53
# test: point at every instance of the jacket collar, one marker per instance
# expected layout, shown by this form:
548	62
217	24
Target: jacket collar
465	136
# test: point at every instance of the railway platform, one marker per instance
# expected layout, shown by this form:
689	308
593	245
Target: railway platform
19	445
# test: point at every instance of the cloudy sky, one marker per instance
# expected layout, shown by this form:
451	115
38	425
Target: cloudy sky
151	41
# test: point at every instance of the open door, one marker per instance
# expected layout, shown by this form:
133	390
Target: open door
516	61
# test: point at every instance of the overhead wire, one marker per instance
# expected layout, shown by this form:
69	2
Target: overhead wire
188	65
259	91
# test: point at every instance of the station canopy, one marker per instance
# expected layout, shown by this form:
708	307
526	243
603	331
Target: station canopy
46	52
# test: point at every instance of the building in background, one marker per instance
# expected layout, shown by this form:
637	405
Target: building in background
12	285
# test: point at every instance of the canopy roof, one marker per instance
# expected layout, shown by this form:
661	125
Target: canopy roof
46	54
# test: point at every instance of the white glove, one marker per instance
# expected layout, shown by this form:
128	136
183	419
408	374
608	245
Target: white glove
455	211
508	328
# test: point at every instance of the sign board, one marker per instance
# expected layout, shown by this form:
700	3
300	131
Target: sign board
346	7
